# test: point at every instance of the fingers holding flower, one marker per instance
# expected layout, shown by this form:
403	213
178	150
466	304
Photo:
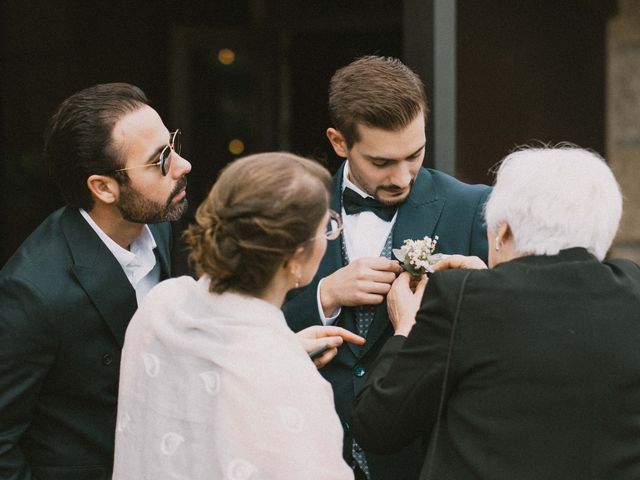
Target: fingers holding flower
403	301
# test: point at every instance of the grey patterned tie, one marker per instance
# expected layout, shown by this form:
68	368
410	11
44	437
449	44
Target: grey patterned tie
365	313
364	317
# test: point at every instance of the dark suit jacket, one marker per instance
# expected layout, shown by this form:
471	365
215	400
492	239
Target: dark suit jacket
438	205
65	303
544	378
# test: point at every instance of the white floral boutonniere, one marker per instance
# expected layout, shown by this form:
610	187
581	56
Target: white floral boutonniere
417	257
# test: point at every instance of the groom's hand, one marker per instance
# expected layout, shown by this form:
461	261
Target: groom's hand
365	281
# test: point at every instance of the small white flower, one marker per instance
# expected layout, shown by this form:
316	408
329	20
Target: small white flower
151	364
240	469
211	382
291	418
123	422
170	443
417	256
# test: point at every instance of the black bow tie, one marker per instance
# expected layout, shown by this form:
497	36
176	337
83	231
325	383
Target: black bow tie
354	203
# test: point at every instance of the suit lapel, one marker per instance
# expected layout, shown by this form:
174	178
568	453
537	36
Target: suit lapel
417	217
332	259
100	274
335	260
162	250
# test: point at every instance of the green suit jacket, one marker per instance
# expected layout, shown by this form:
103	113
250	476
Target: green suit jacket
65	303
437	205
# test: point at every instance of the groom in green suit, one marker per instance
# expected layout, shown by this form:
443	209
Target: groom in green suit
68	293
378	110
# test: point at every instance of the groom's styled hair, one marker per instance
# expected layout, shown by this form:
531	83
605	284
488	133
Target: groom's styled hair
379	92
556	198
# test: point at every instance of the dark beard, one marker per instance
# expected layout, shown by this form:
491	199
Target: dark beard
360	183
136	208
394	203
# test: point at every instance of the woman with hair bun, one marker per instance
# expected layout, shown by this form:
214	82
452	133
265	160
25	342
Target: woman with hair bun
213	383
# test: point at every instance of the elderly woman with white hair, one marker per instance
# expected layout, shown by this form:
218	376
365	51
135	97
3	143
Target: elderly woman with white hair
529	369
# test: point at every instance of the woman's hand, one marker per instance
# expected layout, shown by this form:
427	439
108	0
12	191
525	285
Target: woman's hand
403	301
318	336
459	261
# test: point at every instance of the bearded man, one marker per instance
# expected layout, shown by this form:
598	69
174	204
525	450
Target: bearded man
378	111
69	291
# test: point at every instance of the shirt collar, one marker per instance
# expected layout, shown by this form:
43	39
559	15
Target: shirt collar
348	183
142	244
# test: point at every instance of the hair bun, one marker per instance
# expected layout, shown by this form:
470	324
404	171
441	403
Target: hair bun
261	208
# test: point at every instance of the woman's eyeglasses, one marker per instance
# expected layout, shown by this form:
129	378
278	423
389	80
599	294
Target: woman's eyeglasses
334	226
333	229
165	155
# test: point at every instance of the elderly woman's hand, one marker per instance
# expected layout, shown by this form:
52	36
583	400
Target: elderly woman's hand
403	301
326	340
459	261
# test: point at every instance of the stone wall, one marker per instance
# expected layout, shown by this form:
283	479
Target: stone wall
623	121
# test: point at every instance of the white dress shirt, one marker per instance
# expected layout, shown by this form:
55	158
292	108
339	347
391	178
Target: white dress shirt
364	235
139	263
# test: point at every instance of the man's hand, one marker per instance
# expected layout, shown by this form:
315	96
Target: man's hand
459	261
404	301
319	336
365	281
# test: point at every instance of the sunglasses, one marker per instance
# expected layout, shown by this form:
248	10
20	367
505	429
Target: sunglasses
164	162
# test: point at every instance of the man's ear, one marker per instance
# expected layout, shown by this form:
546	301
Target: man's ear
504	233
338	142
296	259
103	188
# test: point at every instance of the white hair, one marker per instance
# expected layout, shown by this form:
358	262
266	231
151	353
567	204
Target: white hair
556	198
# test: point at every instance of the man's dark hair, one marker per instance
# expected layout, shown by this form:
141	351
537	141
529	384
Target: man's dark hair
379	92
78	140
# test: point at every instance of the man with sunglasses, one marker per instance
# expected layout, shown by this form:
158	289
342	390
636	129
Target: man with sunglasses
70	290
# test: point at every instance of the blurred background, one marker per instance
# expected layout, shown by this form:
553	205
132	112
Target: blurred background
245	76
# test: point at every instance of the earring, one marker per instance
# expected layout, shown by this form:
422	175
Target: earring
297	275
497	244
